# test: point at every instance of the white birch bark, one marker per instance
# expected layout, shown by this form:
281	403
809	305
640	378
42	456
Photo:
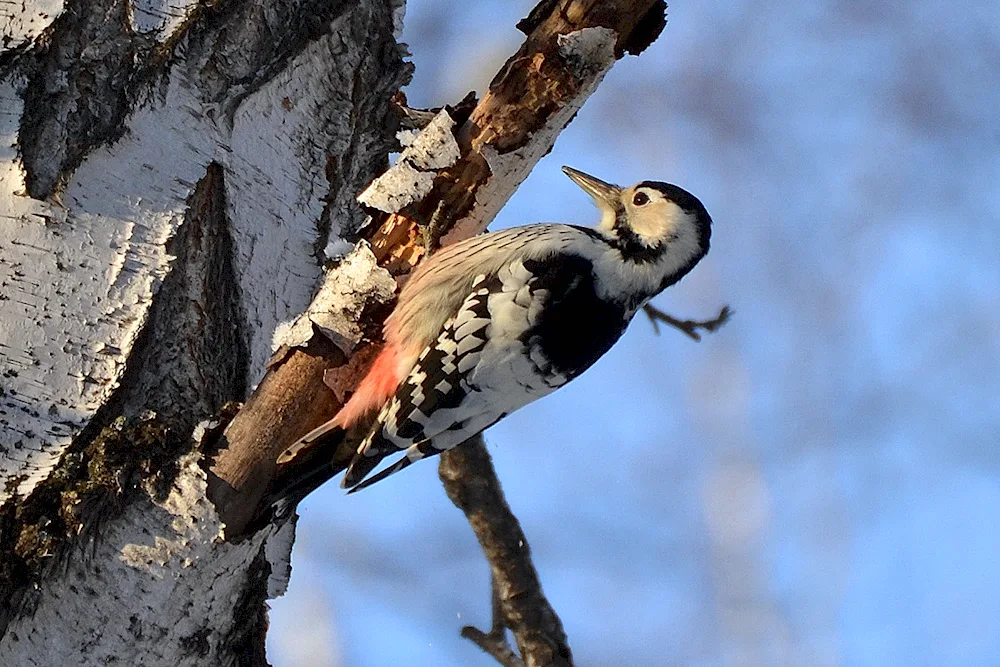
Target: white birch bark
170	173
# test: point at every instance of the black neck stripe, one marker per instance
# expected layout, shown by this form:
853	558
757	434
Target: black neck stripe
631	244
628	243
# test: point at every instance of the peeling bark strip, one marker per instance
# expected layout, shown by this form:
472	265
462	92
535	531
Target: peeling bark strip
339	309
412	177
570	46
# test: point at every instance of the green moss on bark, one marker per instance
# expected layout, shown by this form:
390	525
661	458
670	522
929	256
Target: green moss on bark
92	484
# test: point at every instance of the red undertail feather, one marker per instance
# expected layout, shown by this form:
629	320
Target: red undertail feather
375	389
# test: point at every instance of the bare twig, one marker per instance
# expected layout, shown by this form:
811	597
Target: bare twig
493	645
689	327
495	641
518	601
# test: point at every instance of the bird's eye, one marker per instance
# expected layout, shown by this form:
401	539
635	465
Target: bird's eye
640	199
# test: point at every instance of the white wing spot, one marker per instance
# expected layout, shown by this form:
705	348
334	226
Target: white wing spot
523	297
467	363
470	327
467	345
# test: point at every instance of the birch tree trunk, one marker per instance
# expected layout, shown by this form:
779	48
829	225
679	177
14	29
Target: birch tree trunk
171	174
174	177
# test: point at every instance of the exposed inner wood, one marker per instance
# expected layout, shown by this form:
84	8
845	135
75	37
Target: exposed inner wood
290	400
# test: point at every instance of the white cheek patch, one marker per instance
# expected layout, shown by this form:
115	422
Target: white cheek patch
681	223
659	221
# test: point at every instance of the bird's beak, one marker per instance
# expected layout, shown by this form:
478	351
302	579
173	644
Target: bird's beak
605	195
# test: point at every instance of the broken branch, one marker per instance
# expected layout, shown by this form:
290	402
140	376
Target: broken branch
495	641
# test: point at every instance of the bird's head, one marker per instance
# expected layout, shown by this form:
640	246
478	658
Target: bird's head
650	221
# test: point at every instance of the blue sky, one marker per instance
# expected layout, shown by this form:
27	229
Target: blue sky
817	483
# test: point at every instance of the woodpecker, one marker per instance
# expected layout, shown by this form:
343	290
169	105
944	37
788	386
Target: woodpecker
487	325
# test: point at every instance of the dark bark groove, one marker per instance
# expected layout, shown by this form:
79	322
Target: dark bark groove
90	70
193	354
81	83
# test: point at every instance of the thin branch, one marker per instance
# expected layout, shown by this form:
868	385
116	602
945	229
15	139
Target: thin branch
495	647
689	327
495	641
518	601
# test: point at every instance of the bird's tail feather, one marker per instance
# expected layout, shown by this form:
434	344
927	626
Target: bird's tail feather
391	470
371	452
354	478
322	435
306	465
